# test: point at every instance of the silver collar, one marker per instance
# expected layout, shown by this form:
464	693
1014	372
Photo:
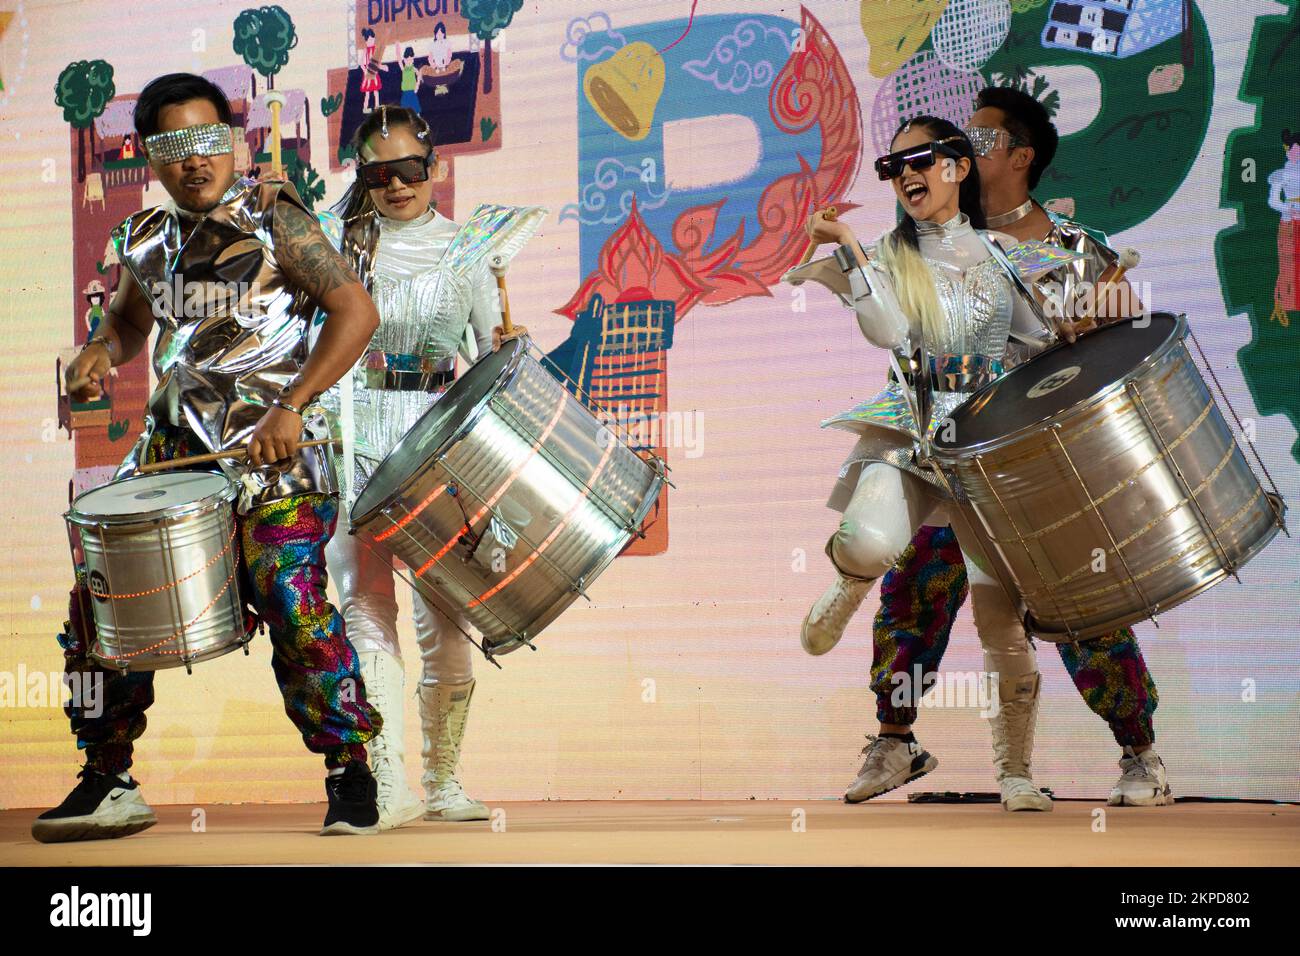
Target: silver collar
1007	218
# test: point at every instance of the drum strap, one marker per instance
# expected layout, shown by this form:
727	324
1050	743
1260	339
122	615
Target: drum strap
1018	284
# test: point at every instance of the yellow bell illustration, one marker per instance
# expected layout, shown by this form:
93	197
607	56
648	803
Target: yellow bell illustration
625	89
896	29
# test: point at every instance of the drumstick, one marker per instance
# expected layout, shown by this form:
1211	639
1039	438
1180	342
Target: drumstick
498	267
77	384
239	451
1128	259
828	215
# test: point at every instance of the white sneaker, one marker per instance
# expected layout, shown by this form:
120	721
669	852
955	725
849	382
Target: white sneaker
444	711
100	807
824	625
1143	782
1019	793
384	679
890	763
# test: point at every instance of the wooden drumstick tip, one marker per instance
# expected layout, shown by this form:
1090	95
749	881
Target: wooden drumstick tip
829	214
497	265
1128	259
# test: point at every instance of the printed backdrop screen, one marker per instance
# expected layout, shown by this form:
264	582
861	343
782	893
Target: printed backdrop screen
678	151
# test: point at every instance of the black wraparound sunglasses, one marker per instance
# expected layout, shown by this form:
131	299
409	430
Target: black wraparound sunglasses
409	169
918	157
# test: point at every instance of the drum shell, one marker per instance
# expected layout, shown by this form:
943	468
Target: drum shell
140	562
1034	495
535	459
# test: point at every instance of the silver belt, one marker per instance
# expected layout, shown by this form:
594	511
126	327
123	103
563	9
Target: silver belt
405	372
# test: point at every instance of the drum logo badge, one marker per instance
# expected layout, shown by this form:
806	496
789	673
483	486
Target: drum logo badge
1057	379
98	585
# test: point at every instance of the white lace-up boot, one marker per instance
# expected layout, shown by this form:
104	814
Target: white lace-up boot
1013	743
384	680
824	625
444	710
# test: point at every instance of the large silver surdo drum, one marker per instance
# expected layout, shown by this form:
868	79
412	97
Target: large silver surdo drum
507	498
162	568
1107	479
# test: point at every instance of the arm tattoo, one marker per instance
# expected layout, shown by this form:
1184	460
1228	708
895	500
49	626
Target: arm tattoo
308	259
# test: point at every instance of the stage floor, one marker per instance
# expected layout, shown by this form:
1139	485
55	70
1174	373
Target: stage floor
703	832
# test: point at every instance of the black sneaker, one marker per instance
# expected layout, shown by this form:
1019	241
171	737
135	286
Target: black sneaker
354	802
101	807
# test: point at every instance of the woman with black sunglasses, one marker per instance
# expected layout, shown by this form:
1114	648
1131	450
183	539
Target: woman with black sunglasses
935	284
395	239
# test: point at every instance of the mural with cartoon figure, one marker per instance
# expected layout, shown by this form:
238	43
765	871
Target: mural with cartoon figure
1258	256
109	185
433	70
1284	199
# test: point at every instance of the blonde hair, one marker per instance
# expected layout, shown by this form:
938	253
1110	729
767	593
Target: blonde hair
913	285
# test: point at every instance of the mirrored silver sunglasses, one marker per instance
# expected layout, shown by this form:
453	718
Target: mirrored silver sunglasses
205	139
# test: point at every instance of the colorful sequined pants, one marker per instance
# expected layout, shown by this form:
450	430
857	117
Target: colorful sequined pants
283	576
919	600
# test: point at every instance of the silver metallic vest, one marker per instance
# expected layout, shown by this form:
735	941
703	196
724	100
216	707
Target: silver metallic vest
231	332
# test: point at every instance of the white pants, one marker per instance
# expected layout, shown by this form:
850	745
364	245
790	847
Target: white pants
887	507
369	608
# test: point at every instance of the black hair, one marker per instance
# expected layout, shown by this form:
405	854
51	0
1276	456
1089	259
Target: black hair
367	33
356	201
409	51
968	194
1289	138
440	26
1026	119
172	89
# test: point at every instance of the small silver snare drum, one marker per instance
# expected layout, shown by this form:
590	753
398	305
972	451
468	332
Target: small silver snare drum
161	558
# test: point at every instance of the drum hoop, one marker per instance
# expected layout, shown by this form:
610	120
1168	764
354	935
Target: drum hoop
954	454
204	505
507	374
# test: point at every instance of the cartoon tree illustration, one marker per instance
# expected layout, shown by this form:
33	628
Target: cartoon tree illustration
83	90
487	18
264	37
305	178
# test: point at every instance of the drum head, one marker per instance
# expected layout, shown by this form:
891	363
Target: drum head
436	429
1055	381
149	496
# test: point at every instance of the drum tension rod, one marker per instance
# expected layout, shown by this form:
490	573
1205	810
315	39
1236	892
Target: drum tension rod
1207	526
412	583
1024	547
1278	514
491	509
1105	525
